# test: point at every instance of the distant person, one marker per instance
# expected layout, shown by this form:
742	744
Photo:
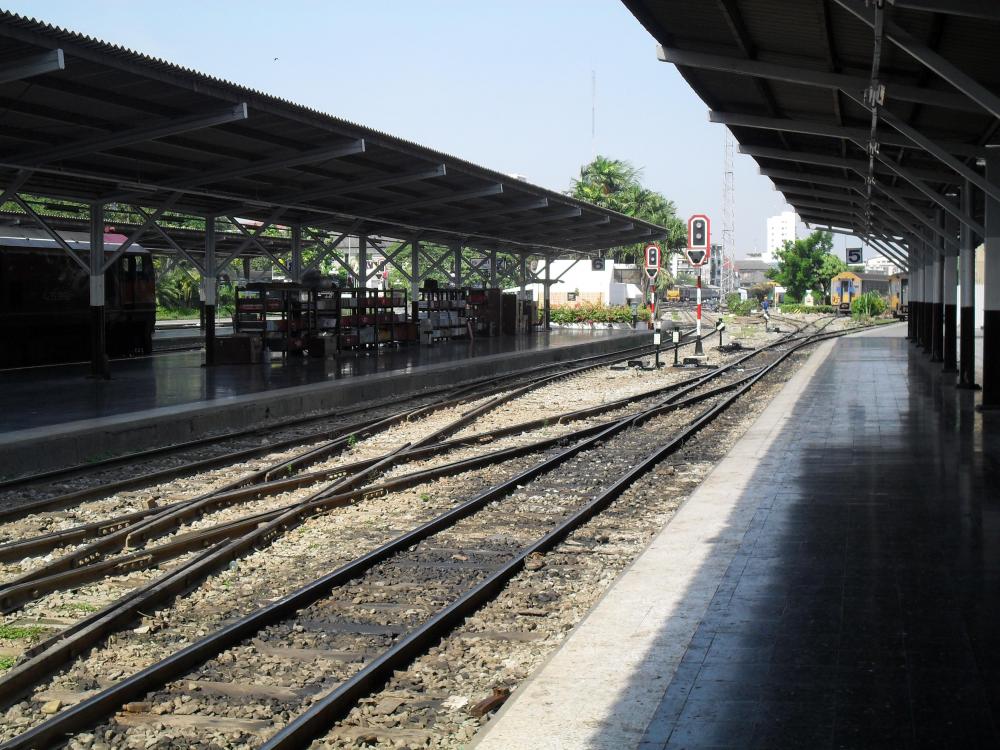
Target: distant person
765	306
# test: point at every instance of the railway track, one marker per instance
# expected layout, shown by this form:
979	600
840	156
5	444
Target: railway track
525	528
89	559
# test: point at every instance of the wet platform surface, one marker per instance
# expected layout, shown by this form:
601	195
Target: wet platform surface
834	583
861	609
43	396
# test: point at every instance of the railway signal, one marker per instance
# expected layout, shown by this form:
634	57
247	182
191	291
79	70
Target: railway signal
699	247
652	255
652	260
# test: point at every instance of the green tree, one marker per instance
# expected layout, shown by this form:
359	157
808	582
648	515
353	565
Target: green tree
615	184
806	264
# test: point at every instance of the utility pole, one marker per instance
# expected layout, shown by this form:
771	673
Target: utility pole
726	271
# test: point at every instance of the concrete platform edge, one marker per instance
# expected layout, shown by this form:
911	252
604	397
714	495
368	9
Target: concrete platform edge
601	687
77	442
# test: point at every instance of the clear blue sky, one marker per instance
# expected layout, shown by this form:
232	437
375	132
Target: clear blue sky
502	83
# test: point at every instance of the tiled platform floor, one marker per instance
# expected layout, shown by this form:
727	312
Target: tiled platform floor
51	395
862	608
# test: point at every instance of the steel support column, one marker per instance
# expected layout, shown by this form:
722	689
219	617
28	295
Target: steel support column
967	313
493	269
950	299
937	313
913	317
457	261
99	367
414	275
930	257
362	261
546	305
296	259
991	311
208	286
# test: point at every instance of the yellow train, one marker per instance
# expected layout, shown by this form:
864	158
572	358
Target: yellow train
847	286
899	295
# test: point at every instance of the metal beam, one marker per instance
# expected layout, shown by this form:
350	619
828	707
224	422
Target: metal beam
857	135
937	198
927	57
500	210
804	74
462	195
940	153
823	160
819	194
987	9
45	62
220	174
357	186
178	125
857	186
565	213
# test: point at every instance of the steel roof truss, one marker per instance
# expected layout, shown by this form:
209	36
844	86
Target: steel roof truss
939	199
251	239
811	127
987	9
820	194
136	135
45	62
149	220
513	208
170	241
358	186
254	239
220	174
461	195
927	57
824	160
328	250
940	153
806	76
912	210
390	258
50	231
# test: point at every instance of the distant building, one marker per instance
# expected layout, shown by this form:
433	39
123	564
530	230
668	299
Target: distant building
711	272
780	229
615	284
751	271
878	264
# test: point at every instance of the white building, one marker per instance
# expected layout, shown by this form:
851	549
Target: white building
616	284
780	228
878	264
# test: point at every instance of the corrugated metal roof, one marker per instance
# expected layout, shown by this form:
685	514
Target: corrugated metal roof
107	89
824	37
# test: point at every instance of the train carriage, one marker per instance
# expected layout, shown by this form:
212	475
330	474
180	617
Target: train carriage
899	295
45	299
848	286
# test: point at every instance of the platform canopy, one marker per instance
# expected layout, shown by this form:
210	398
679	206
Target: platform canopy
868	117
87	121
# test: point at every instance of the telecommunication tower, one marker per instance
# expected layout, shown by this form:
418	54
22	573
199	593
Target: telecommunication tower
727	280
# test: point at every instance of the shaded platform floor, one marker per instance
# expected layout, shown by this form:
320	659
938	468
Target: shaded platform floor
57	394
834	583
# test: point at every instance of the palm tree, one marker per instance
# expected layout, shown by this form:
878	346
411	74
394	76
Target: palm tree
604	177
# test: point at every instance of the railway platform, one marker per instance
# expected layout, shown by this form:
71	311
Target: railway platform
833	583
57	416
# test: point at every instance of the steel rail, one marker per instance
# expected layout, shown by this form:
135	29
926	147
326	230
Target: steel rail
318	716
48	656
87	632
335	705
18	593
79	469
173	516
